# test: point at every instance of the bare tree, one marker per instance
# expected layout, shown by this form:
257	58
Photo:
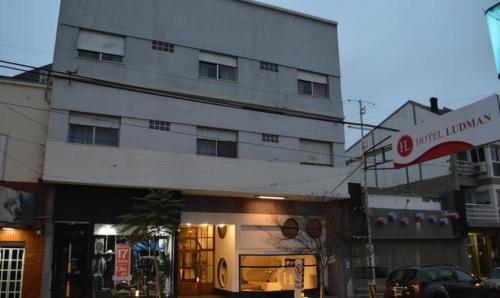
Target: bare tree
325	234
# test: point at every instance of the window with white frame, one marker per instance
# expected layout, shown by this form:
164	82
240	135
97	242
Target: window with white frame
11	271
217	142
316	152
159	125
269	138
101	46
269	66
162	46
94	129
314	84
3	154
477	154
495	160
217	66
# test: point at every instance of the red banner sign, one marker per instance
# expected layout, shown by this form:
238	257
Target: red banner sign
122	262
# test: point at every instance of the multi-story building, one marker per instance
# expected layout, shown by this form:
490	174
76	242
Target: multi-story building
466	183
234	104
24	117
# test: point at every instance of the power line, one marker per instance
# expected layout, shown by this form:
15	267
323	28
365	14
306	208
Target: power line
174	131
190	97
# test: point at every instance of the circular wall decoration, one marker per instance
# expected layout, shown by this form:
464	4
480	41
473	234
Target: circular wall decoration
314	228
222	273
221	231
290	228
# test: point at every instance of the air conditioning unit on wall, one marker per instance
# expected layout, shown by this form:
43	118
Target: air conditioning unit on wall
479	168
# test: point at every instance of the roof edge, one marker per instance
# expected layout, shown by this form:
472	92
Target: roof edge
289	11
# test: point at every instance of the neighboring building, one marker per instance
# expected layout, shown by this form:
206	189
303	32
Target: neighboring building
230	103
469	181
23	131
406	230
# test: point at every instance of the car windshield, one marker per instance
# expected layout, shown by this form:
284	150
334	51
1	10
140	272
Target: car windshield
494	274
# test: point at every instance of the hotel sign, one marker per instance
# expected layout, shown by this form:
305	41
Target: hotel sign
462	129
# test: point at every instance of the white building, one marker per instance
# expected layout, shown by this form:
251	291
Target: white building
471	178
230	103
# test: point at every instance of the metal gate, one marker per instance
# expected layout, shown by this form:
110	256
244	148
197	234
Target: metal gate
11	272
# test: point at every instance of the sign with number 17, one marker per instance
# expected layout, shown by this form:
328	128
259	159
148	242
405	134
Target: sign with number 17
122	263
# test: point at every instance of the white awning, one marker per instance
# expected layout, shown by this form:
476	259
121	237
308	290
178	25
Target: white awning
312	77
94	120
218	59
217	134
101	42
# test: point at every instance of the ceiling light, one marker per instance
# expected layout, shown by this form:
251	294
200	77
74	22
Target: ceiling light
271	198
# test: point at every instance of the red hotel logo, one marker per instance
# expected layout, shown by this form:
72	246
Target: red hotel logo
405	145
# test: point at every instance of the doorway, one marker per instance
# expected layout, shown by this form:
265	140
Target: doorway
196	260
11	271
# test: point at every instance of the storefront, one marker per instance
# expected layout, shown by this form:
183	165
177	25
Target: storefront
222	246
21	239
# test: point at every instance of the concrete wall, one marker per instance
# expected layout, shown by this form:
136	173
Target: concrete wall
25	129
250	32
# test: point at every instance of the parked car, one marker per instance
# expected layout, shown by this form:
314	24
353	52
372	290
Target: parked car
437	282
494	276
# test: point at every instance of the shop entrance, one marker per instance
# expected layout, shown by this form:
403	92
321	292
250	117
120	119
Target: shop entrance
196	260
482	255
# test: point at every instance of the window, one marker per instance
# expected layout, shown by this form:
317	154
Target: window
159	125
196	253
477	154
463	276
312	84
462	156
482	197
3	153
269	66
266	273
218	67
268	138
11	271
94	129
101	46
495	157
162	46
315	153
217	142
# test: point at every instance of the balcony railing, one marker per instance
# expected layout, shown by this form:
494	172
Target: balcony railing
464	168
482	214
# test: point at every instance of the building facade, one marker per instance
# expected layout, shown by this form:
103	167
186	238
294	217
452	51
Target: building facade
468	180
235	105
23	131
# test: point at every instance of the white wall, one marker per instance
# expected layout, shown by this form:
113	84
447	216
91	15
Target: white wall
402	202
74	163
26	134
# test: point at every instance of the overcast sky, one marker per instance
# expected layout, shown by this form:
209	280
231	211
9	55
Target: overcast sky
390	50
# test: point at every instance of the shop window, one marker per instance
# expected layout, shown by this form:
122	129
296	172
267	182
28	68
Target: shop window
112	253
11	271
94	129
268	273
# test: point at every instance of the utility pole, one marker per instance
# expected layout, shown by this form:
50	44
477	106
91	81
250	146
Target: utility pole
369	244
